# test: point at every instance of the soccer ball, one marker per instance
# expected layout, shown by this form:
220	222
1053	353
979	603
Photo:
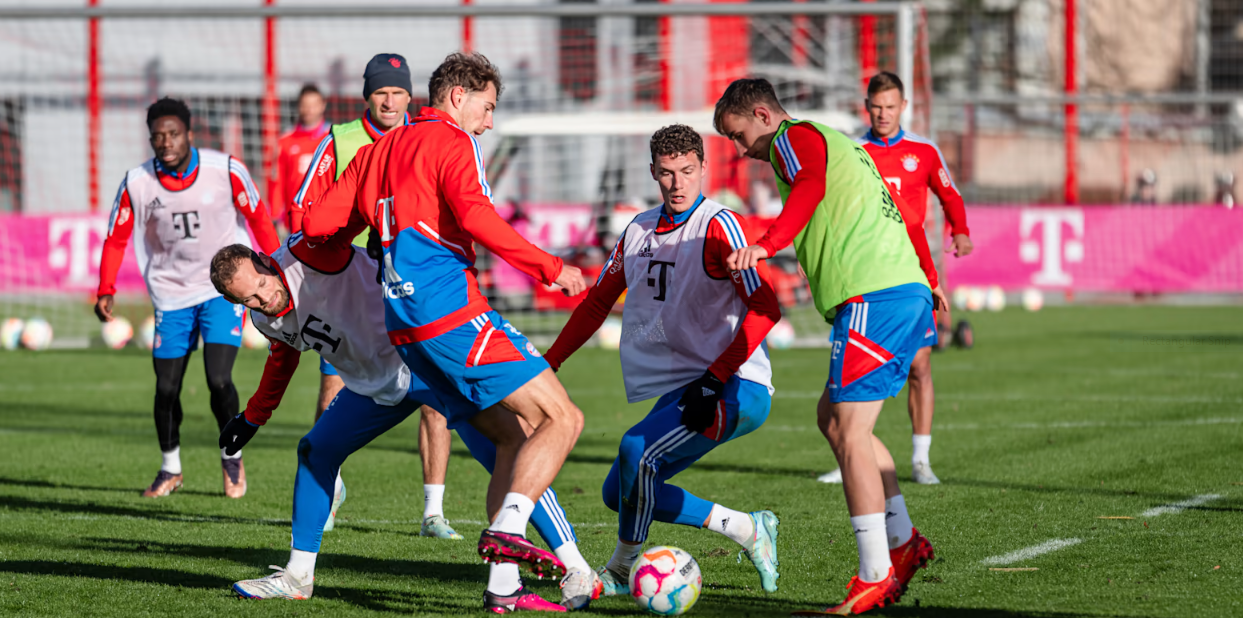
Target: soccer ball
116	333
37	335
1033	299
976	297
782	335
146	332
11	333
995	299
609	334
252	338
665	581
959	297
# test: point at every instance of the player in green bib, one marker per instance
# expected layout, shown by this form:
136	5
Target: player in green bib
386	90
864	267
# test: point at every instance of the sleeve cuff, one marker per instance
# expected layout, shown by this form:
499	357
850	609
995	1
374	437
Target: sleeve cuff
960	230
255	417
765	244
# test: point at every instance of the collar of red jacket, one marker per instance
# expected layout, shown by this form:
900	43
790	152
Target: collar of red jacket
431	113
880	141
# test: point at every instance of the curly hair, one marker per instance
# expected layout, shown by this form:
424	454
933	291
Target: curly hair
168	106
224	264
676	140
742	97
472	71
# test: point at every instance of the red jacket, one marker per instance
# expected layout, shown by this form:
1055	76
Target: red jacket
912	164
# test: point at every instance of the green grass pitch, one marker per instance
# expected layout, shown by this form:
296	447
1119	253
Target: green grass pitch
1055	420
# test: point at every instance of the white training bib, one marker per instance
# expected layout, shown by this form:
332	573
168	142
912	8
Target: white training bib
677	319
341	316
178	232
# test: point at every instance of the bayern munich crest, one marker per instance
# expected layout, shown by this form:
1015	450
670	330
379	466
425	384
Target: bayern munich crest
910	162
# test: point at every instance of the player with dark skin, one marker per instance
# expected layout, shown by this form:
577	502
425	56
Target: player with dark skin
171	140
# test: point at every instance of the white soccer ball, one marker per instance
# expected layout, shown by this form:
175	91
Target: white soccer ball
11	333
609	334
976	297
146	333
782	335
1033	299
116	333
252	338
995	300
959	297
665	581
37	335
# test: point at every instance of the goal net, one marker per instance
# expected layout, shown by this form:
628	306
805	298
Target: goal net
585	86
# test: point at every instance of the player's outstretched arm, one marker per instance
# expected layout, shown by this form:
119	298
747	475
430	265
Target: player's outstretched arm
953	204
319	177
277	372
247	201
335	207
120	226
591	313
803	165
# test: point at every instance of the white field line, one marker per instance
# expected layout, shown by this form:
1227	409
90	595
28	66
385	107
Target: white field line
1028	553
1178	507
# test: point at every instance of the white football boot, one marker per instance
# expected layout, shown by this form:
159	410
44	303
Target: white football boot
831	477
921	472
279	585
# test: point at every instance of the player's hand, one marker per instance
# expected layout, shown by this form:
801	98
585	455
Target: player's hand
103	308
236	434
571	280
746	258
961	245
698	403
939	302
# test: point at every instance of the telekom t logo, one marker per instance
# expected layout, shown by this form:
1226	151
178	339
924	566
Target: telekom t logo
1050	249
71	248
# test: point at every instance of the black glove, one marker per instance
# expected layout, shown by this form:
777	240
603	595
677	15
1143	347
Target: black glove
698	403
236	434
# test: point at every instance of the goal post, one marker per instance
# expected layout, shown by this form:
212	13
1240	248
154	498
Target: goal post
585	85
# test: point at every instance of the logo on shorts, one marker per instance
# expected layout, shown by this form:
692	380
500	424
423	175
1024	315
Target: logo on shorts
531	350
910	163
236	332
929	333
158	341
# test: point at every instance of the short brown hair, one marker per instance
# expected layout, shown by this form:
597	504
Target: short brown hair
676	140
224	264
742	97
885	81
472	71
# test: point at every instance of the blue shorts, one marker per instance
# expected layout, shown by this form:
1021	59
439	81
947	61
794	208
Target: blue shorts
474	366
177	332
874	342
326	368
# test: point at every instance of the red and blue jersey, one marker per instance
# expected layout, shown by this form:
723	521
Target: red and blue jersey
912	164
424	188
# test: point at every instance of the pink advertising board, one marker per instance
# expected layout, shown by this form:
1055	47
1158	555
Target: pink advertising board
57	254
1104	248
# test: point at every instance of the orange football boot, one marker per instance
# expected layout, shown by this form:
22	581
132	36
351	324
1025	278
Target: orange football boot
234	477
911	557
165	483
862	596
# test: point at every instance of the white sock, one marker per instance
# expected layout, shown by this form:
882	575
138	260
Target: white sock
898	526
874	561
515	513
733	524
433	500
301	566
172	461
921	443
237	455
503	579
623	558
569	555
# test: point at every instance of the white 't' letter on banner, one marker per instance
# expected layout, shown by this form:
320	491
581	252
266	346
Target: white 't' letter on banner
1050	250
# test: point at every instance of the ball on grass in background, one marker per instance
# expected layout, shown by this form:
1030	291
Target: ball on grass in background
37	335
609	335
959	297
781	336
11	333
976	297
1033	299
252	338
146	333
995	300
665	581
116	333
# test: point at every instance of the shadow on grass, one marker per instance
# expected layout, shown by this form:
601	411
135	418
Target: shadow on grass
14	503
122	490
171	577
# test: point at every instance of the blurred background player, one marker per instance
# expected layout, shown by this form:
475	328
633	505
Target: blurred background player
294	153
425	188
185	203
693	335
863	267
386	91
911	164
325	298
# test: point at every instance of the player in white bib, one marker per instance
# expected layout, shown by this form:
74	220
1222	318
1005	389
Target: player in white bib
326	298
184	205
693	335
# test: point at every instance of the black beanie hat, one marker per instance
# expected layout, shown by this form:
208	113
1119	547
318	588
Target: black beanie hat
386	70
